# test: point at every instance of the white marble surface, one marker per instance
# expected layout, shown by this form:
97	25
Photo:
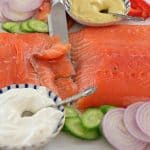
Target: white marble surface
68	142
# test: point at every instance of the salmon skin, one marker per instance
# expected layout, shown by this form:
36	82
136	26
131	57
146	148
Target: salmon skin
36	59
116	60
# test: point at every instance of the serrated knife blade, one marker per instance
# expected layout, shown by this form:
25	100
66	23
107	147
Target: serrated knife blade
57	21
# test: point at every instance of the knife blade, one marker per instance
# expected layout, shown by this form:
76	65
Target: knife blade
57	21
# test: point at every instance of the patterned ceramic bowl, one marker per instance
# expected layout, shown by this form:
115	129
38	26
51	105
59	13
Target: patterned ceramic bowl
67	6
56	131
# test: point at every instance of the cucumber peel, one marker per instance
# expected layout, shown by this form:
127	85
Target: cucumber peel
25	27
16	29
38	26
8	25
28	26
74	126
106	108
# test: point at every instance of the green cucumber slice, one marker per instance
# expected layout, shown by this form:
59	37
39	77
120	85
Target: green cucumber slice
70	112
74	126
38	26
8	25
16	29
106	108
25	27
92	118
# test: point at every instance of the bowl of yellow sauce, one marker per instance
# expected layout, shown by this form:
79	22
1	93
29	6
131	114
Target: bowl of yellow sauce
97	12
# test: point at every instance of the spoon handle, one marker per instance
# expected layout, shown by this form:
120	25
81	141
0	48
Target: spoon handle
126	17
74	98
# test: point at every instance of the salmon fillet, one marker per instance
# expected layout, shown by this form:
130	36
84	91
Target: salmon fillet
7	59
116	60
36	59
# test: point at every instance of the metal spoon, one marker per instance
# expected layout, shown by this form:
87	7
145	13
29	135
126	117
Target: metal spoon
76	97
71	99
127	17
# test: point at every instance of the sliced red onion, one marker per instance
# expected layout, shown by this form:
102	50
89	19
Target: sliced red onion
14	15
148	147
2	18
24	5
116	133
130	122
147	1
143	118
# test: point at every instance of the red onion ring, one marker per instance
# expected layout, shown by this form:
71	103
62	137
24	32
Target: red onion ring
116	133
148	147
131	125
143	118
2	18
14	15
24	5
147	1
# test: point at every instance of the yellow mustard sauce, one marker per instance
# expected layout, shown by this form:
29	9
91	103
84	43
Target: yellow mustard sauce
95	11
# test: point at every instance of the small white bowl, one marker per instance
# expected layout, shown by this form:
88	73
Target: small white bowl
87	23
58	128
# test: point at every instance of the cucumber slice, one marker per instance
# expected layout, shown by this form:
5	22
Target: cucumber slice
74	126
16	29
64	128
25	27
92	118
70	112
106	108
38	26
8	25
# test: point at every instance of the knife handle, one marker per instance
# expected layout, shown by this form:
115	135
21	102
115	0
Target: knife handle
54	2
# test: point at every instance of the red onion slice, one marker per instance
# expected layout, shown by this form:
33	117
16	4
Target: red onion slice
131	125
148	147
2	18
24	5
14	15
147	1
143	118
116	133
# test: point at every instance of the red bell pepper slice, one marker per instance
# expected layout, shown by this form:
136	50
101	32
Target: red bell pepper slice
140	8
144	5
135	12
134	4
145	14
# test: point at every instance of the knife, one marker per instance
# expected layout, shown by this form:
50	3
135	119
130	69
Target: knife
57	21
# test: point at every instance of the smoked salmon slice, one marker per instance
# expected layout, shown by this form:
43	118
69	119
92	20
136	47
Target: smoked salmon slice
116	60
36	59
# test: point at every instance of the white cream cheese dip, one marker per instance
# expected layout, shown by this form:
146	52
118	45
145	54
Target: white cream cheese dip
16	130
